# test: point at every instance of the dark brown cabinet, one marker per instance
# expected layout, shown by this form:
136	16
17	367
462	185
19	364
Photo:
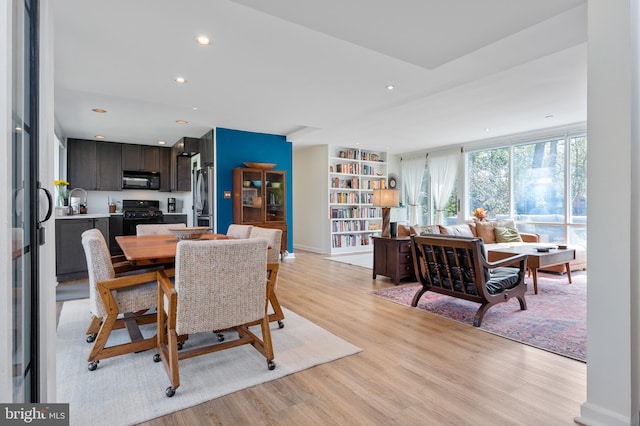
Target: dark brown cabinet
392	258
174	218
81	161
166	183
207	157
260	199
140	158
71	263
94	165
108	166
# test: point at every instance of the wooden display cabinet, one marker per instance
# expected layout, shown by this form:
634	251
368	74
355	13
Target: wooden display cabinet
260	199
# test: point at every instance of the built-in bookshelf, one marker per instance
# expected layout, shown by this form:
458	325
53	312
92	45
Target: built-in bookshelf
353	175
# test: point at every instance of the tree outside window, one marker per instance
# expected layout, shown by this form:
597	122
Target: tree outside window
489	182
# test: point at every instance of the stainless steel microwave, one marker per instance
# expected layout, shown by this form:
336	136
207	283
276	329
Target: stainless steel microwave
140	180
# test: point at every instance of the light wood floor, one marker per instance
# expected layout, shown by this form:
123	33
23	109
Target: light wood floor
415	368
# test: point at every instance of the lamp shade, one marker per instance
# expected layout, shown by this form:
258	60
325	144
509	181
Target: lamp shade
386	198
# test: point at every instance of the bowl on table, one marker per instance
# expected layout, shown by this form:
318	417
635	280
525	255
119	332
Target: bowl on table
192	233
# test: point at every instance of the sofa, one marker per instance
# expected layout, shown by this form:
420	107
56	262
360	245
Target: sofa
496	234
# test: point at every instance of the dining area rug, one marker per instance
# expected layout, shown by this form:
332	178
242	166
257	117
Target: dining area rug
555	319
130	389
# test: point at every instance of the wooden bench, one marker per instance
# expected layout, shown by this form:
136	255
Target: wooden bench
456	266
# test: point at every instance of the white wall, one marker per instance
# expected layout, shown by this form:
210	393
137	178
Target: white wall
311	199
612	295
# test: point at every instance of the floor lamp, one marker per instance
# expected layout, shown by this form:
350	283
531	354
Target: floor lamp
386	198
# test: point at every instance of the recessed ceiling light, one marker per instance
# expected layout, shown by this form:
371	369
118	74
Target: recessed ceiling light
195	108
181	121
548	116
487	129
99	110
180	80
99	137
18	129
390	87
203	40
162	143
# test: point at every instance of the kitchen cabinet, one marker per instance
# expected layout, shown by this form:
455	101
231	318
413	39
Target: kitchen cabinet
174	218
187	147
181	154
94	165
140	158
207	152
165	170
260	199
71	262
116	228
108	166
181	165
81	164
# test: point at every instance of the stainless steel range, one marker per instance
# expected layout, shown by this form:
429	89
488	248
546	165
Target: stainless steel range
136	212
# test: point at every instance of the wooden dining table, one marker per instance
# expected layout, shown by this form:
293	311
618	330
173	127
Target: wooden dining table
150	250
156	250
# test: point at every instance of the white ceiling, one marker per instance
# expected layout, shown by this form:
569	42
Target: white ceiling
317	71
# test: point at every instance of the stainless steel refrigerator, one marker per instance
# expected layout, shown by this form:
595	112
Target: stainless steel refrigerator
204	201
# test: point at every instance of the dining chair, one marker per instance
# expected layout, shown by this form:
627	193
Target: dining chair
275	239
116	302
218	285
274	236
239	231
157	228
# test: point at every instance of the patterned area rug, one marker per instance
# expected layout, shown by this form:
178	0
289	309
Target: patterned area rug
555	319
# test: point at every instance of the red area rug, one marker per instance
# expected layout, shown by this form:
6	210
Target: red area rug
555	319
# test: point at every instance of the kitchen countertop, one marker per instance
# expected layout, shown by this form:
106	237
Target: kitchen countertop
99	215
84	216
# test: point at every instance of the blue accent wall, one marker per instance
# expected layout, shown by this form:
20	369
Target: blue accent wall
233	148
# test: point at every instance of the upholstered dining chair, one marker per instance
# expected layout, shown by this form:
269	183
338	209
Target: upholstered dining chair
239	231
116	302
157	228
274	236
218	285
275	239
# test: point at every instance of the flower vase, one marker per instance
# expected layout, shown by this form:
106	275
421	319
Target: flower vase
63	200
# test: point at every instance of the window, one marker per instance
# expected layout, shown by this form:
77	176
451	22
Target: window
488	182
541	184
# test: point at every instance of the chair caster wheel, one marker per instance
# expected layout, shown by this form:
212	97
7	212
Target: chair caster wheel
280	324
271	365
156	358
91	338
180	345
93	365
220	337
170	392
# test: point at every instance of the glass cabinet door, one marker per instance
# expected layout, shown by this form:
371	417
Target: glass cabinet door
252	196
275	196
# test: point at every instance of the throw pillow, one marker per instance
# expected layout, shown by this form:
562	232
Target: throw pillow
484	230
458	230
507	235
430	230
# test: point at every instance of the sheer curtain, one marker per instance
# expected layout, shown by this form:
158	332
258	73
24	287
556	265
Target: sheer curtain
412	174
443	169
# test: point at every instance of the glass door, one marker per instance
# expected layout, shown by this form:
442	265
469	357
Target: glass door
26	231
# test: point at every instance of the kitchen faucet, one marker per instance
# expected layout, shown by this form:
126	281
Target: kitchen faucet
83	201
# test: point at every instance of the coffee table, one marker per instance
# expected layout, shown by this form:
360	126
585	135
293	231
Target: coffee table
536	259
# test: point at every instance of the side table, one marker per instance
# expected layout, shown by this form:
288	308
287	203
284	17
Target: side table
392	258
